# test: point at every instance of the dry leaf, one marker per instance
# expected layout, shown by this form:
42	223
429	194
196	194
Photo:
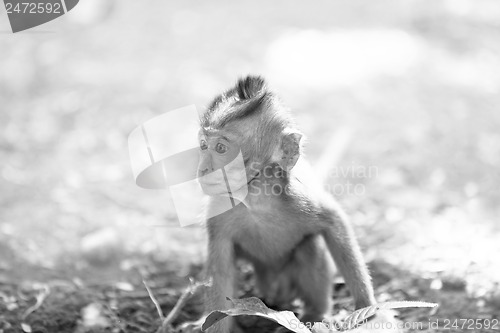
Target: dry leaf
253	306
358	317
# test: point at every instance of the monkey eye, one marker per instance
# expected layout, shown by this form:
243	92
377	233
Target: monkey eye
203	145
221	148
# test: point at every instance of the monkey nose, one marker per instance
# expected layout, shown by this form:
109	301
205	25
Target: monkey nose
205	171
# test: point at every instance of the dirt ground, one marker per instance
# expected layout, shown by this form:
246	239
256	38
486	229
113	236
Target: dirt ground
422	161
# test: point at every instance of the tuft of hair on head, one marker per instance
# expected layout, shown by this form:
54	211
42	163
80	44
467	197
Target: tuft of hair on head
250	87
249	96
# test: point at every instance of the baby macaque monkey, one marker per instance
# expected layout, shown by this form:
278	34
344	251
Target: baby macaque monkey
286	230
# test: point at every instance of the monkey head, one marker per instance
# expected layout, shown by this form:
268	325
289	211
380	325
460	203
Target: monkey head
246	119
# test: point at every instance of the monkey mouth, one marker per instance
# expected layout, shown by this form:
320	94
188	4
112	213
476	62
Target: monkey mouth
210	180
205	183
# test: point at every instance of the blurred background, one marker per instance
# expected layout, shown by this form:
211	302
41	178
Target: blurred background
411	86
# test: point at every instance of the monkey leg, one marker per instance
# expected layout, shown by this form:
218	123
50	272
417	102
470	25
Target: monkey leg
276	286
313	271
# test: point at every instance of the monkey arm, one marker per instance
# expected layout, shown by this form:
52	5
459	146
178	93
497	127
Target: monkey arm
347	255
221	269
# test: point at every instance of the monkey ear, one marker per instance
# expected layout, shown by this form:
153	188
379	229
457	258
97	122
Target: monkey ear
290	150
